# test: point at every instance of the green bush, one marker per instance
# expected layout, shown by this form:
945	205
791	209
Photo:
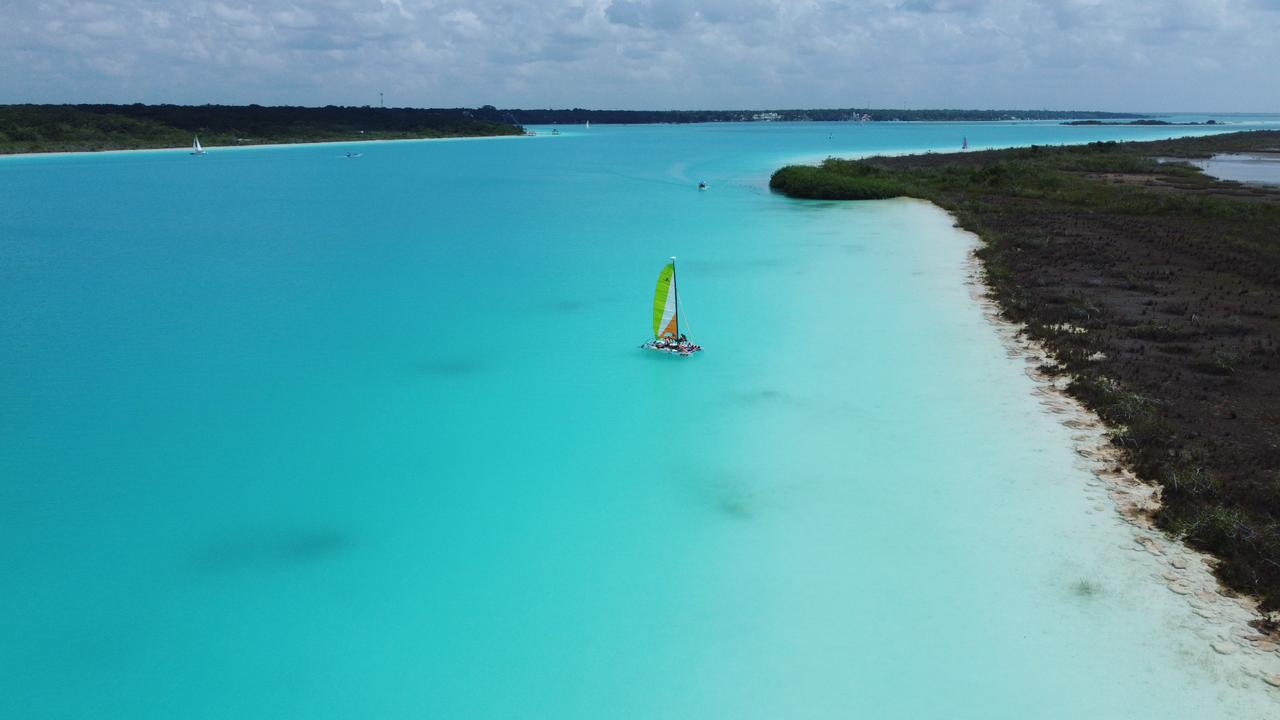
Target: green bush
820	183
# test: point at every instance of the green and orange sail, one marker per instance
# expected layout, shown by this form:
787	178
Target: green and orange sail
666	301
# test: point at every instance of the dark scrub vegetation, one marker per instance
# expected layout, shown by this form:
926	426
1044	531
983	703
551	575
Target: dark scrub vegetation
54	128
1156	289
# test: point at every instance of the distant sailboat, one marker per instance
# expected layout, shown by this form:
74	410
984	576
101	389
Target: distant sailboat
588	125
195	147
666	316
965	145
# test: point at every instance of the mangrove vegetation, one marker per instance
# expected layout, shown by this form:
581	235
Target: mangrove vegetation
1157	291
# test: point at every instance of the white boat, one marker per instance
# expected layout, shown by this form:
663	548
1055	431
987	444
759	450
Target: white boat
195	147
588	124
666	316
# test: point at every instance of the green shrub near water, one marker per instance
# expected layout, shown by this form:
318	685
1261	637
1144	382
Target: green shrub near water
819	183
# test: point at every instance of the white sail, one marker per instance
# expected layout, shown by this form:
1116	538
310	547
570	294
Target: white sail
195	147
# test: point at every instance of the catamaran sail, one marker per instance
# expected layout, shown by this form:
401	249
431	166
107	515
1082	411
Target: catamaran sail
666	319
195	147
666	315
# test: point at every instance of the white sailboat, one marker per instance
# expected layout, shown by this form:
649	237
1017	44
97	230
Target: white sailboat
666	316
195	147
588	125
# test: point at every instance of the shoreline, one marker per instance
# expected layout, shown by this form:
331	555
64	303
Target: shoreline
1226	621
209	149
1152	287
1210	130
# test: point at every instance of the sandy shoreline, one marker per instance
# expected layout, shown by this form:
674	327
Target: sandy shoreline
1223	620
222	148
1153	286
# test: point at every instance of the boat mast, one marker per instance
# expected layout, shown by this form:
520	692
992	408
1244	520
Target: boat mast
675	290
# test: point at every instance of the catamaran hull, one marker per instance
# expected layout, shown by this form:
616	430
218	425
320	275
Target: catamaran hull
685	351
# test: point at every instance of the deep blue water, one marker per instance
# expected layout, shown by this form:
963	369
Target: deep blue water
286	434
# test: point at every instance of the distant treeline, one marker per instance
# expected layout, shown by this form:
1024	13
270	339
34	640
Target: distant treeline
580	115
1137	122
50	128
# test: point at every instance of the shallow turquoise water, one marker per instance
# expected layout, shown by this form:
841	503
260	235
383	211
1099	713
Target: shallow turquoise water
286	434
1243	168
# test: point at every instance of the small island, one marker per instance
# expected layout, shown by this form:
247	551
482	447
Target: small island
83	128
1156	290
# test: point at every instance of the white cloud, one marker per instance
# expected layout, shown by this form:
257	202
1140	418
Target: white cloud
1144	54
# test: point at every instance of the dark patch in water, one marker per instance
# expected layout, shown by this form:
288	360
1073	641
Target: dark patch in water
1086	588
736	506
450	367
757	397
572	306
732	267
568	307
281	549
729	495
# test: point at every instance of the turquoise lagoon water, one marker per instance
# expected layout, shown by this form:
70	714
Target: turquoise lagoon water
284	434
1260	169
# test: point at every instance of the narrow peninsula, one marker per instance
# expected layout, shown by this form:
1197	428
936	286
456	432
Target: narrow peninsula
1156	290
86	128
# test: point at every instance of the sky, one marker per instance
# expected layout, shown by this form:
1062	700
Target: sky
1134	55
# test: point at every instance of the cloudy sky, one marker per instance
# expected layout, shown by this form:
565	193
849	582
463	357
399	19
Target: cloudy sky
1214	55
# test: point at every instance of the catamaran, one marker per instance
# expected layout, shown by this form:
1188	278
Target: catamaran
666	316
195	147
